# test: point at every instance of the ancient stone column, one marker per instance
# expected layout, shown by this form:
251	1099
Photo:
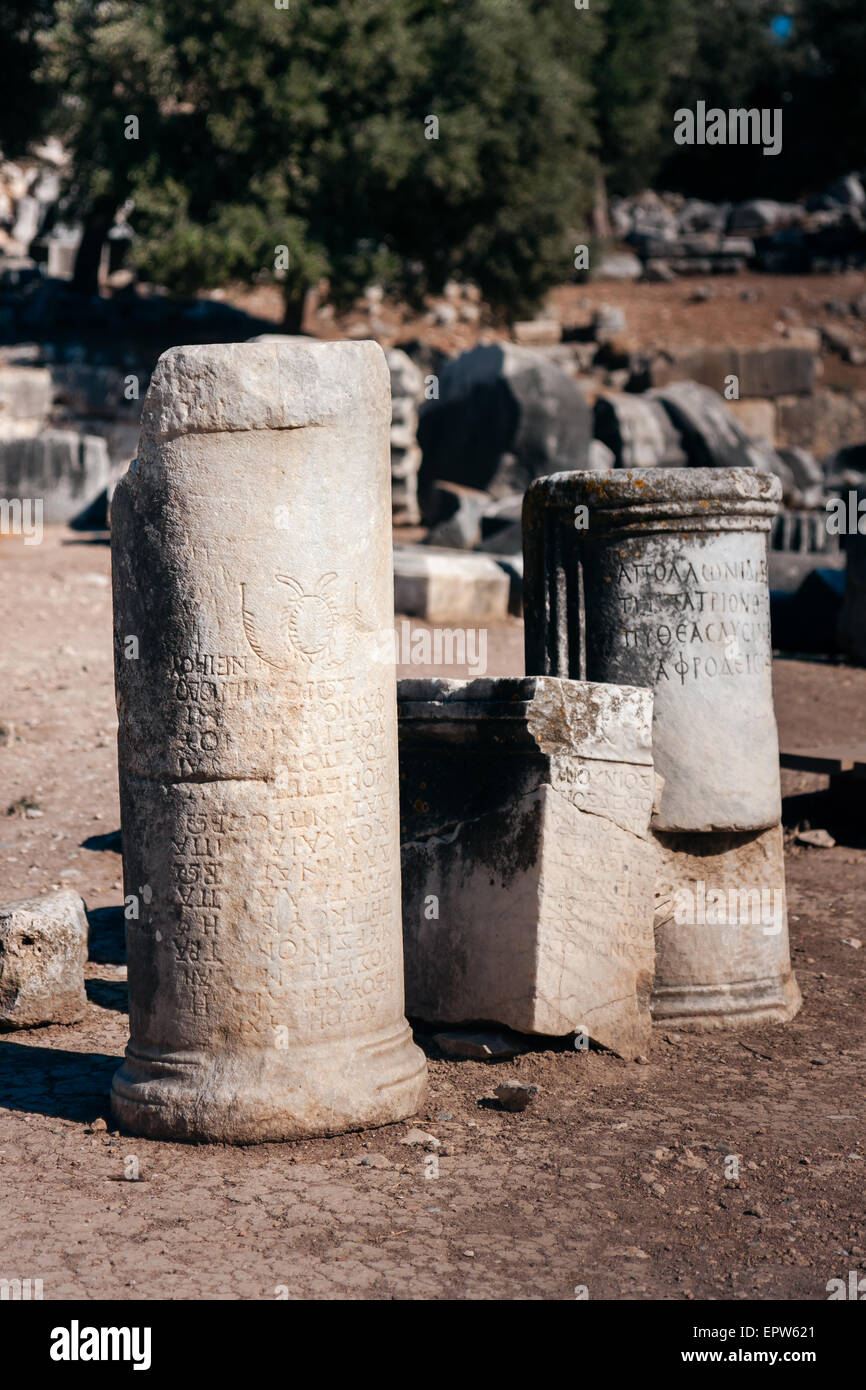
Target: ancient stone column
659	579
670	569
257	749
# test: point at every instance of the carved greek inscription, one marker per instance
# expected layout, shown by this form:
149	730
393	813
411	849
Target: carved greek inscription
696	620
623	792
324	818
595	912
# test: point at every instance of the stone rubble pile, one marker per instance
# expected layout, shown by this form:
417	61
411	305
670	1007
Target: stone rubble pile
674	235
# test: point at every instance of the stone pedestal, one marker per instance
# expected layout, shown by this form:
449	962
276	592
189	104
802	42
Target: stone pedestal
528	868
257	749
659	579
721	929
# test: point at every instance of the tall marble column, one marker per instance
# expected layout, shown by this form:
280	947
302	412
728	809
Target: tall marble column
257	749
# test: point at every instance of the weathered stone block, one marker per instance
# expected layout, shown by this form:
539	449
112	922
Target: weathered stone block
43	949
638	430
821	423
756	417
505	415
407	384
449	585
528	872
26	395
761	371
65	470
710	434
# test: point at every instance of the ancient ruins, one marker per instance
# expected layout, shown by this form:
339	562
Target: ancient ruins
577	845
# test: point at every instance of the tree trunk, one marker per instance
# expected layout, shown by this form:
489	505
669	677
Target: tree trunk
299	301
97	225
600	217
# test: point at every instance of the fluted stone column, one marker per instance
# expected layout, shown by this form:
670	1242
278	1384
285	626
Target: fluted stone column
257	749
673	571
658	578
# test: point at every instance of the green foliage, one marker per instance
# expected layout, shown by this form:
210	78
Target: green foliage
27	104
305	127
738	62
829	96
647	52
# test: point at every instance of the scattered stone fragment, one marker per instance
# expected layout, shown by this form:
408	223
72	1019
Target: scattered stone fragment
818	839
420	1136
449	586
43	948
537	332
375	1161
515	1095
63	468
853	941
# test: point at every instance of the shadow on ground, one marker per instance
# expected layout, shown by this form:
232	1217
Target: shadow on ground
50	1081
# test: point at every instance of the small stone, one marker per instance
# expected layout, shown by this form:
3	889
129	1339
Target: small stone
375	1161
537	332
688	1159
99	1126
515	1095
419	1136
818	839
43	948
642	1060
853	941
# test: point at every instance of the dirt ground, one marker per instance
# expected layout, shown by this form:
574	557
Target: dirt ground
613	1181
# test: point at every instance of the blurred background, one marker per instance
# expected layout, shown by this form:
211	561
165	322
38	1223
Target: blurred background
495	190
